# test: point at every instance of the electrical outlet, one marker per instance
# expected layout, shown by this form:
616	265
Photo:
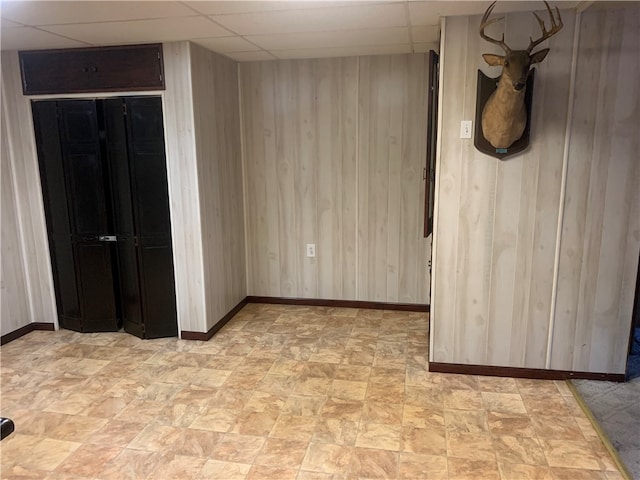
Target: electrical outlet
465	128
311	249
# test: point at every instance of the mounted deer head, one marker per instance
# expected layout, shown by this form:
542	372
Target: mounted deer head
504	116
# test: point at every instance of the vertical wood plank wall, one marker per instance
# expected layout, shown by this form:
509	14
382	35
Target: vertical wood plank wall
392	253
217	139
299	120
497	220
333	152
15	298
27	283
182	170
601	229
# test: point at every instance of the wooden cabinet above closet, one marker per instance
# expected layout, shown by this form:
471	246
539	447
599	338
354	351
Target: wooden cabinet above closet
85	70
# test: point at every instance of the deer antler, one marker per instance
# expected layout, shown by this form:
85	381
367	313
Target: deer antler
486	22
555	27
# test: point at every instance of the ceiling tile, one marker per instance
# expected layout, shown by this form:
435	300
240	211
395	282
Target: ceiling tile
250	56
53	13
347	38
425	34
229	7
316	20
423	13
28	38
342	52
226	44
425	47
428	13
159	30
9	24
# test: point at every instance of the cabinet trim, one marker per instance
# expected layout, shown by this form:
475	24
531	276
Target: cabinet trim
92	69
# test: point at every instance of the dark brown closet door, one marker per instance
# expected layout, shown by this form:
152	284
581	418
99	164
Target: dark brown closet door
104	180
73	178
126	246
152	223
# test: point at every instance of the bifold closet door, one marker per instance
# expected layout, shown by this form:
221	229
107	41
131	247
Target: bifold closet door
141	206
73	180
104	179
127	262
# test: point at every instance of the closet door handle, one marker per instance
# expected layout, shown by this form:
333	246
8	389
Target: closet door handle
107	238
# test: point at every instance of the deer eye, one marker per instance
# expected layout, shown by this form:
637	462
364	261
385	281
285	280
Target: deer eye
506	63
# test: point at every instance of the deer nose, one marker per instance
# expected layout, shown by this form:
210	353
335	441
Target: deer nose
518	85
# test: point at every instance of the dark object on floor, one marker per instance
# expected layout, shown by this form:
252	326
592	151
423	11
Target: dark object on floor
635	346
6	427
616	407
633	367
633	362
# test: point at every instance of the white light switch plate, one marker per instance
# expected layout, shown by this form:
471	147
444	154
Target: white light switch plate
465	128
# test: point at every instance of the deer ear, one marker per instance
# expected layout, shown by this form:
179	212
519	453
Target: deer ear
493	60
539	56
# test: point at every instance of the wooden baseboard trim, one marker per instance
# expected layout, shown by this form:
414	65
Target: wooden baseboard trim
318	302
514	372
20	332
312	302
206	336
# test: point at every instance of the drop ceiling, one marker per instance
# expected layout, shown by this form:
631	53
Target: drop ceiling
242	30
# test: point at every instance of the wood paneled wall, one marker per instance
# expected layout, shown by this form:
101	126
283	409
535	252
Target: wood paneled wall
205	175
27	282
182	170
497	221
299	121
601	228
15	298
217	139
333	155
392	252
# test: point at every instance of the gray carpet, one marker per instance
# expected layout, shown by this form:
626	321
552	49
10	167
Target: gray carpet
616	407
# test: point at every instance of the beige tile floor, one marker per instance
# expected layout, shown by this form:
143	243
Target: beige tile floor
281	392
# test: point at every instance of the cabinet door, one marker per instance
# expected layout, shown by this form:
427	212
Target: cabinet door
94	69
73	178
150	194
